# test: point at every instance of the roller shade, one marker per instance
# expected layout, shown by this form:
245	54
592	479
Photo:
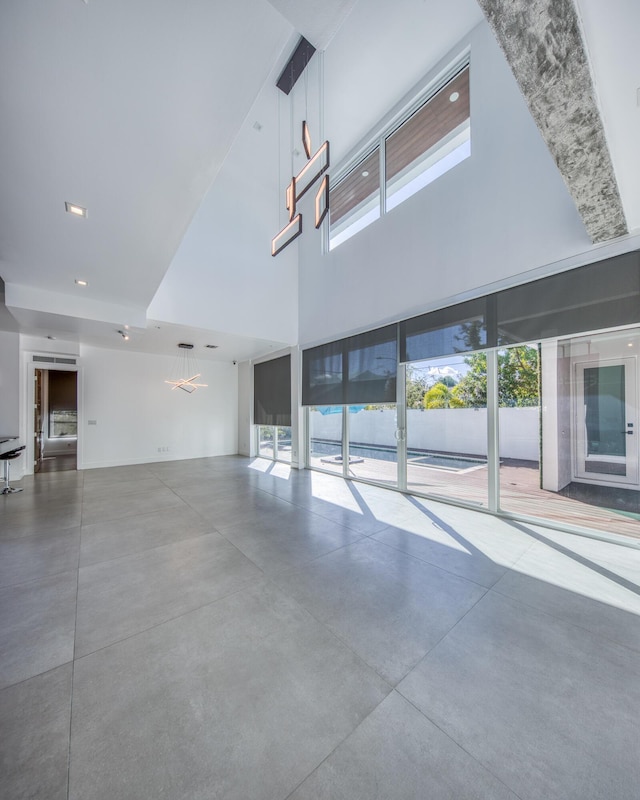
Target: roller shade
601	295
272	392
455	329
62	390
359	369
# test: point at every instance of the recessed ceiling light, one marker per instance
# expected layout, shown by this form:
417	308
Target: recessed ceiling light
81	282
212	346
51	337
365	173
124	335
454	96
77	211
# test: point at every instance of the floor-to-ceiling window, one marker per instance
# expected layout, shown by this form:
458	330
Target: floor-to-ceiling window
446	435
504	402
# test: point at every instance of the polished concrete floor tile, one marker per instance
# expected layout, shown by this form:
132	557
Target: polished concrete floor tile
283	541
398	753
240	699
34	737
40	520
578	590
389	607
549	708
251	507
37	623
31	557
124	596
107	475
103	541
117	489
108	507
451	555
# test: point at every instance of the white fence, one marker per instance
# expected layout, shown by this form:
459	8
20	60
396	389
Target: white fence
448	430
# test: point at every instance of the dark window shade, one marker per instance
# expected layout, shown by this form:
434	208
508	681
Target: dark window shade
428	125
356	187
372	366
272	392
62	390
601	295
456	329
322	375
358	369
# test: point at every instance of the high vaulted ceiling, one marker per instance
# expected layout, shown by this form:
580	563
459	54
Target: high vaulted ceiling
156	116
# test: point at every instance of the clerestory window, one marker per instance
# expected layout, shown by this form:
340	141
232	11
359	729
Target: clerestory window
430	140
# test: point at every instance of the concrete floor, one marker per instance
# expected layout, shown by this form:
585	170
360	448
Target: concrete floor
226	628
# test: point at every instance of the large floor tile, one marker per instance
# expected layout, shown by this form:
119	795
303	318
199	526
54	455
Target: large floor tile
118	488
34	738
240	699
576	589
108	507
397	753
389	607
37	623
282	541
547	707
103	541
444	552
32	557
41	519
123	596
107	475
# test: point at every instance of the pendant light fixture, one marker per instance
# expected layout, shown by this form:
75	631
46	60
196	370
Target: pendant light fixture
185	373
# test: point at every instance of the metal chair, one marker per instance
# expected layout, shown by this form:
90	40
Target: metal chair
8	458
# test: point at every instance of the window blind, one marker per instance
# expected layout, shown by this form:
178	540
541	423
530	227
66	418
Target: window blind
272	392
355	370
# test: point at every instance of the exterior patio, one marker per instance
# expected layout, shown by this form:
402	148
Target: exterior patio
520	492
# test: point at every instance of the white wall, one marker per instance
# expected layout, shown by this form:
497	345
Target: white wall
502	212
246	443
9	382
136	412
456	430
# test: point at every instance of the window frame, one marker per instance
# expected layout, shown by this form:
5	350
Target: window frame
386	129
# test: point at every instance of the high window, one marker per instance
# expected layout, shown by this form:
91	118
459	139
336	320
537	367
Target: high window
430	139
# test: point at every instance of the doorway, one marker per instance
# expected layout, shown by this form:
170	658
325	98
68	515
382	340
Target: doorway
55	420
606	422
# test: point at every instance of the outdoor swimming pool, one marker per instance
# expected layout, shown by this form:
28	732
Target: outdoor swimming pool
421	458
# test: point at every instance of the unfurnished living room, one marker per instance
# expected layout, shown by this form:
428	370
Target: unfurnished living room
319	400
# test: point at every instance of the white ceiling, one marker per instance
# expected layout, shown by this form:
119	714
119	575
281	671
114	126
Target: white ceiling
145	113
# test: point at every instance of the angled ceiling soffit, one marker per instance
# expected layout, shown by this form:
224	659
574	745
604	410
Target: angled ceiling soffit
543	44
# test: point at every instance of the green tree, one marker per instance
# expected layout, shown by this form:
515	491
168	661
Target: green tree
416	388
442	396
518	378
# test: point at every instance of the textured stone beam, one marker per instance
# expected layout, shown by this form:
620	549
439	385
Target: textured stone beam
544	47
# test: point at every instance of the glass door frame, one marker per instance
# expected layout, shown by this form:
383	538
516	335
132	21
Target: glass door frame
630	459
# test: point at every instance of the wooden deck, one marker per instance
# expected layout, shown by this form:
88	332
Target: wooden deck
520	493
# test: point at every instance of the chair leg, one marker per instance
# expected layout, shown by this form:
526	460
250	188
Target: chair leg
7	488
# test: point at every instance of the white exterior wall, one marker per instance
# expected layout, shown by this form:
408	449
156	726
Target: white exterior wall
453	430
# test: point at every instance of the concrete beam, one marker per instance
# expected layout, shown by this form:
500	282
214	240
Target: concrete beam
543	44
